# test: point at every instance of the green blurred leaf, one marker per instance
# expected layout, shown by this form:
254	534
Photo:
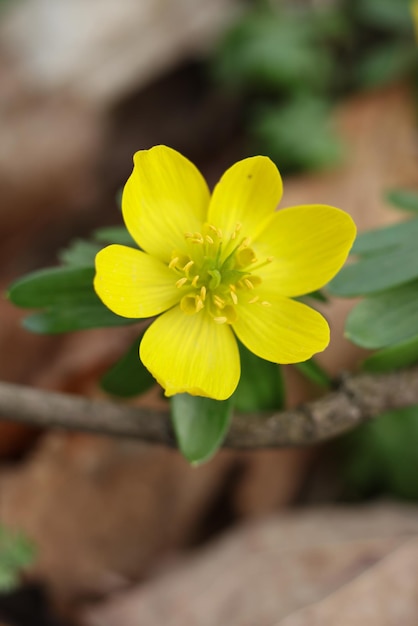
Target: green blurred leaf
378	239
385	319
54	286
272	50
261	386
394	357
406	199
391	15
314	373
79	253
114	234
380	457
16	553
200	425
73	317
128	377
394	266
386	63
298	134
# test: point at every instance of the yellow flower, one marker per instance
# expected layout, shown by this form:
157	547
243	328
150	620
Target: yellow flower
219	267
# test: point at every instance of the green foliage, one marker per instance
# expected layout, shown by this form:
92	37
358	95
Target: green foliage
298	134
405	199
128	377
380	457
16	553
394	357
200	425
388	15
80	253
261	386
386	63
314	372
67	298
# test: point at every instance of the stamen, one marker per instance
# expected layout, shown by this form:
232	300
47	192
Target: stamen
220	320
254	300
209	239
203	293
199	305
195	280
248	283
181	282
234	297
173	262
188	266
220	303
266	303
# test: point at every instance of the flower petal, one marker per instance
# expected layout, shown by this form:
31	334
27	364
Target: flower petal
191	354
309	244
247	194
284	332
133	284
164	197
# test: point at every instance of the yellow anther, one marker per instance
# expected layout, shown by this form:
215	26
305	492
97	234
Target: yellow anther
195	280
188	235
203	293
173	262
246	242
181	282
254	300
188	266
220	320
234	297
209	239
220	303
270	259
199	305
248	283
266	303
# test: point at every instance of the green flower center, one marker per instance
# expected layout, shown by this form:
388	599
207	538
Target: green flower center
216	273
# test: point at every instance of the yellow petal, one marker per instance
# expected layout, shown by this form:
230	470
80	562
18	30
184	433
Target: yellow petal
247	194
309	245
133	284
191	354
285	331
165	197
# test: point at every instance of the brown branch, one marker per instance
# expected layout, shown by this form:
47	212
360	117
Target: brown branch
356	399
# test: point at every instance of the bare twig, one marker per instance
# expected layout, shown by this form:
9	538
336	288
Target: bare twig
356	399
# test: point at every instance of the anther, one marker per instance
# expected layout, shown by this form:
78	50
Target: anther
181	282
188	266
220	303
234	297
203	293
195	280
209	239
248	283
173	262
266	303
220	320
254	300
199	305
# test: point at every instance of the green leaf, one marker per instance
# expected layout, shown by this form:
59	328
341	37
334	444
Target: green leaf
394	357
298	134
200	425
378	239
314	373
393	267
381	456
79	253
386	63
406	199
392	15
385	319
128	377
73	317
261	386
114	234
54	286
16	553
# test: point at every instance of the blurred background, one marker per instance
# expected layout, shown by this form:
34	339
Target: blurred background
119	532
